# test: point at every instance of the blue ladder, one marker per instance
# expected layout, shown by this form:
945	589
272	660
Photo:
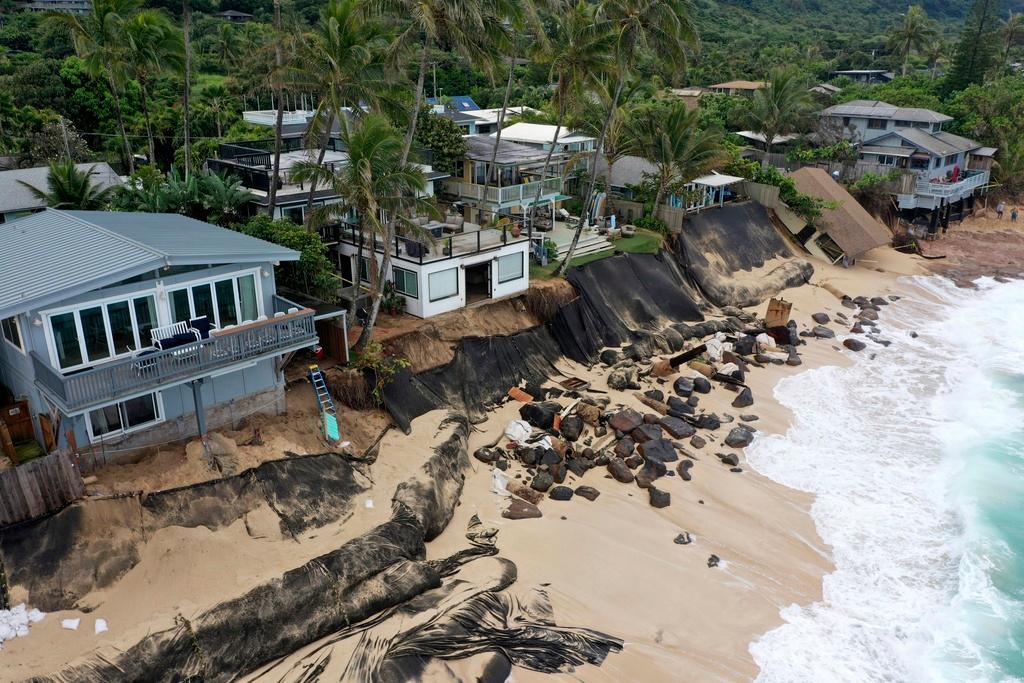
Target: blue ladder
328	413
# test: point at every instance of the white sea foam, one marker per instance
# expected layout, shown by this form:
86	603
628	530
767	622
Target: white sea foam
882	445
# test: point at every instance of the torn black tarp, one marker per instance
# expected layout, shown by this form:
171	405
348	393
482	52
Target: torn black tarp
736	256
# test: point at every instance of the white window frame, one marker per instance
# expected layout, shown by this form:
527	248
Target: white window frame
158	401
522	267
430	291
51	344
233	276
21	334
406	272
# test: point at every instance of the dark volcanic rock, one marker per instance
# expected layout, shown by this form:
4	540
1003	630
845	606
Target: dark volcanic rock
730	459
659	498
624	448
744	399
520	509
618	469
540	415
678	405
684	469
822	332
739	437
821	318
646	432
626	420
634	461
651	419
693	401
661	450
713	561
749	417
683	539
683	386
698	441
676	428
868	314
708	421
878	301
528	456
588	492
572	427
542	482
854	344
558	472
701	385
651	471
655	394
548	456
487	455
560	493
610	357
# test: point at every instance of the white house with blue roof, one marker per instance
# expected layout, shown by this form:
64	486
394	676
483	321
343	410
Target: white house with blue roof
118	323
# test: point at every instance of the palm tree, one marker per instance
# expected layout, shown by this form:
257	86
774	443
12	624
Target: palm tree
68	187
671	139
576	54
227	42
155	46
936	53
1012	32
914	32
781	107
598	110
471	28
378	186
344	59
665	28
218	102
100	41
224	198
276	79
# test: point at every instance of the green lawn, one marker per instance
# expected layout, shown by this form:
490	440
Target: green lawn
644	242
205	80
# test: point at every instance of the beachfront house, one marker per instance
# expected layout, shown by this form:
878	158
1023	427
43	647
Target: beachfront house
478	121
17	200
936	168
738	87
867	76
542	136
141	328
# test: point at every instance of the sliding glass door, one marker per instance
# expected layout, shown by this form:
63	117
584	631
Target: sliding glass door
98	332
228	301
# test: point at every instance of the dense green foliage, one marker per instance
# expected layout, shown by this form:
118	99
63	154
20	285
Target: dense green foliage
313	272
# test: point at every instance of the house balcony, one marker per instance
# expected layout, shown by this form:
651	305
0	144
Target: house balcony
439	243
522	194
929	194
143	373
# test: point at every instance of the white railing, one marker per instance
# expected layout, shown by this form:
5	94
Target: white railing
972	181
513	194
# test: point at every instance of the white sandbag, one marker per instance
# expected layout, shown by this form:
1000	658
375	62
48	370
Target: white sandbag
70	624
728	369
499	482
765	340
518	431
101	626
35	616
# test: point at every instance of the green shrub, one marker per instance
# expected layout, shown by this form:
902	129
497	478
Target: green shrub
653	224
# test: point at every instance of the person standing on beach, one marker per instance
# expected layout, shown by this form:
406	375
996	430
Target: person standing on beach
1014	213
1000	208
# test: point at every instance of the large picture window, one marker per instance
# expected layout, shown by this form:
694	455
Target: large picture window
102	331
125	417
228	301
443	284
510	267
12	332
405	282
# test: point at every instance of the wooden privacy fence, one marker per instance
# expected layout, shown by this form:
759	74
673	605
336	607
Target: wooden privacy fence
38	487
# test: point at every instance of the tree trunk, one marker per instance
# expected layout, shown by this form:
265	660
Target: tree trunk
501	124
319	160
765	163
357	283
551	151
149	127
220	132
278	63
659	195
186	16
378	295
120	122
592	183
414	117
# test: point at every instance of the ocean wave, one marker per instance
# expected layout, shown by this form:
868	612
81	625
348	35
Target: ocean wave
926	585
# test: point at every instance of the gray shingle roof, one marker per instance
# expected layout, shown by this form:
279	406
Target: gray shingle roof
884	110
480	148
53	255
938	144
16	197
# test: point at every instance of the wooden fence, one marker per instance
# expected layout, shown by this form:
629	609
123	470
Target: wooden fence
38	487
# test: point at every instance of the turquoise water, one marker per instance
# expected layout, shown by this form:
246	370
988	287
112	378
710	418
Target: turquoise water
916	456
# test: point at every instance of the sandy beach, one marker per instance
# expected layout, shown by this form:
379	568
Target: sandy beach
610	564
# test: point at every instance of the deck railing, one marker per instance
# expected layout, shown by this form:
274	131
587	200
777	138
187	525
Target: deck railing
125	377
523	193
421	250
971	181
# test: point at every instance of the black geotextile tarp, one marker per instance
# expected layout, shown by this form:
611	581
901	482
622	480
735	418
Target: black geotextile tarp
716	247
87	546
482	371
352	589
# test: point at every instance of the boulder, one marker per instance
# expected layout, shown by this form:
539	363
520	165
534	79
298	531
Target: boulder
577	466
560	493
655	394
618	469
626	420
558	472
542	481
739	437
868	314
745	345
651	419
659	498
548	456
708	421
698	442
749	417
676	428
743	399
634	461
540	415
589	414
730	459
713	561
528	456
588	492
854	344
794	358
572	427
487	455
822	332
610	357
702	385
624	448
683	539
651	471
622	379
661	450
684	469
693	401
678	405
878	301
683	386
520	509
646	432
821	318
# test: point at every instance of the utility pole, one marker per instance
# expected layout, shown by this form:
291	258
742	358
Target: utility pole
64	132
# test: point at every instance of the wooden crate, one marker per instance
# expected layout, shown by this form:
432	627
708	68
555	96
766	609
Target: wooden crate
777	314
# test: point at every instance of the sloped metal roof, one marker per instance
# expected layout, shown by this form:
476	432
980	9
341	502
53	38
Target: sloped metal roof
16	197
938	144
52	255
884	110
